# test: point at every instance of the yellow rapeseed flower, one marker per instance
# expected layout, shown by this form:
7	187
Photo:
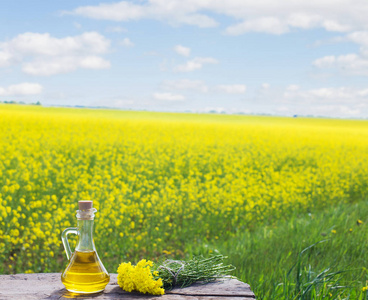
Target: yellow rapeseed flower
164	177
139	278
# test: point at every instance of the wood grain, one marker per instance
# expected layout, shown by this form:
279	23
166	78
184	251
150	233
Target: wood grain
49	286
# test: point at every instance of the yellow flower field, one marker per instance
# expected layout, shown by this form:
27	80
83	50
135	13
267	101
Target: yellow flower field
163	181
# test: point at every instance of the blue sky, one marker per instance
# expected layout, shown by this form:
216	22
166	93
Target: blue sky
238	56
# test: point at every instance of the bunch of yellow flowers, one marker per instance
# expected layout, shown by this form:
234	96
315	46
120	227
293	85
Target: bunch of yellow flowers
147	277
139	278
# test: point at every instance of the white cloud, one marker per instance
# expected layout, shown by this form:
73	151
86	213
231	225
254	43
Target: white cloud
333	25
326	61
200	20
265	86
202	87
42	54
181	50
195	64
350	63
121	11
265	24
168	97
116	29
151	53
359	37
126	42
185	84
279	25
175	12
261	16
343	101
362	93
77	25
59	65
93	62
303	20
21	89
232	88
339	111
338	95
292	88
6	58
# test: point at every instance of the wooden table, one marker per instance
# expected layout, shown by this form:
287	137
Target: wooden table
49	286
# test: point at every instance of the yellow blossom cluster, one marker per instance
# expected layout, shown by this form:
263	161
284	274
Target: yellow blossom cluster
163	181
140	278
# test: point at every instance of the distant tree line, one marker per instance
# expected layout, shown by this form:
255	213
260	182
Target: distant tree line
20	102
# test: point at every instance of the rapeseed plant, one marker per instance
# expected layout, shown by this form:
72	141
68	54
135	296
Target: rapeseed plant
147	277
169	178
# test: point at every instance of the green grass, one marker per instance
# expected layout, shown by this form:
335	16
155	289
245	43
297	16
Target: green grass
269	258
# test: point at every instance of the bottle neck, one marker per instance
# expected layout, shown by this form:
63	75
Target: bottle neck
85	232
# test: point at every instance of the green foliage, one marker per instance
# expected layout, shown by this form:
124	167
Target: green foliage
198	269
310	256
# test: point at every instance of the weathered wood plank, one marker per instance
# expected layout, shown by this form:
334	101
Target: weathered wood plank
225	287
49	286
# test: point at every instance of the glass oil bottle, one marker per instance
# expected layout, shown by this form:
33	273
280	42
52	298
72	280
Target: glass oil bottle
85	272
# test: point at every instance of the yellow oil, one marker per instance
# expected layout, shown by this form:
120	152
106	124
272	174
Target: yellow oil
85	273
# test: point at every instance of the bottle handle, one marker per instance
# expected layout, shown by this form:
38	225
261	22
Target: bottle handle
64	238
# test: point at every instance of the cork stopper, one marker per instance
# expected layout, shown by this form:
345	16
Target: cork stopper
85	204
86	210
